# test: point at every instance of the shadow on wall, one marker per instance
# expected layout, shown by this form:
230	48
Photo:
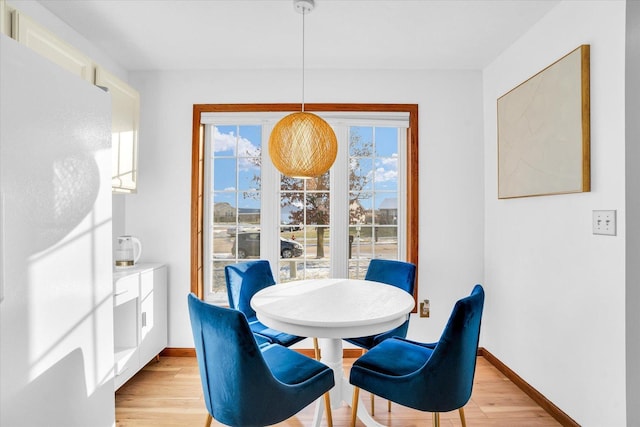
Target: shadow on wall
33	405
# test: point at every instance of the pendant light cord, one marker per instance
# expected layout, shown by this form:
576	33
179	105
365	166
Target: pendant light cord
303	13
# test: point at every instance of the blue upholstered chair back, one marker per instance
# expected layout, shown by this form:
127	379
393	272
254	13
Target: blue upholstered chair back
244	280
433	377
230	363
450	370
397	273
244	385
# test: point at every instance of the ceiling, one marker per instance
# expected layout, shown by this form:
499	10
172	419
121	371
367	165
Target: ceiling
351	34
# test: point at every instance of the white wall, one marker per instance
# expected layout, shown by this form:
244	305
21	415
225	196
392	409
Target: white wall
556	293
43	17
633	209
451	191
56	318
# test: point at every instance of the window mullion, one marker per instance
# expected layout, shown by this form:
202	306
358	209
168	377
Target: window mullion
207	208
339	205
270	203
402	194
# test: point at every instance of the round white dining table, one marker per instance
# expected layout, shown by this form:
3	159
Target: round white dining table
331	310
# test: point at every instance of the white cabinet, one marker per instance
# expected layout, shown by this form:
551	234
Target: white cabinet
124	131
139	318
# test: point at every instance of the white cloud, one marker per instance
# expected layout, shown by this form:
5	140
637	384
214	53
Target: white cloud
383	174
223	141
391	161
227	142
388	169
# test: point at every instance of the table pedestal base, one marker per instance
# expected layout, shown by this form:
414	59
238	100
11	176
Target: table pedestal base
331	355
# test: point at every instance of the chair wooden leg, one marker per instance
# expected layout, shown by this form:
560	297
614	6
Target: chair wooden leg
462	419
373	406
354	406
316	349
436	419
327	407
327	397
207	423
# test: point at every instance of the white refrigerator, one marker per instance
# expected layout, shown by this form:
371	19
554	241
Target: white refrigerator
56	309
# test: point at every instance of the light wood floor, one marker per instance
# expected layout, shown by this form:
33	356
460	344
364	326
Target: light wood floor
169	393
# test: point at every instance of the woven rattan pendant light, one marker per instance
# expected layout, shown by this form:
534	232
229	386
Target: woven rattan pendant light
303	145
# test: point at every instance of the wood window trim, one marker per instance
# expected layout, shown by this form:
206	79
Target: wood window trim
197	172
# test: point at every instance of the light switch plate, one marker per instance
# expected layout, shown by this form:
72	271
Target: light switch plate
604	222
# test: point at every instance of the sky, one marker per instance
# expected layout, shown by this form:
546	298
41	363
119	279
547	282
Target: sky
231	173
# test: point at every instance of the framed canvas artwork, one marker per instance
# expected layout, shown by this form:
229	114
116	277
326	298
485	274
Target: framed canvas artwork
544	131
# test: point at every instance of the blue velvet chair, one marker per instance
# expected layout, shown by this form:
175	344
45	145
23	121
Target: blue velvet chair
243	384
436	377
399	274
244	279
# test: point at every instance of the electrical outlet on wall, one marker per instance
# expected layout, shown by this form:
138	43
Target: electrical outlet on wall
604	222
425	308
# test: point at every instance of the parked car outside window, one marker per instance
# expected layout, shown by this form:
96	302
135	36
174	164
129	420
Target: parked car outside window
249	245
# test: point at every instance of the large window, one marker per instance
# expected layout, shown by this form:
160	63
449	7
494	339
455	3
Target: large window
329	226
375	213
305	218
232	202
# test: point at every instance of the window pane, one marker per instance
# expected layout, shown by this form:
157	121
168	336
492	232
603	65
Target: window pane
386	142
317	208
224	223
291	208
386	208
249	141
291	212
246	245
360	174
290	248
291	184
249	174
291	269
386	242
358	268
218	283
317	242
386	174
224	174
320	183
360	141
224	141
362	245
360	208
318	269
249	209
224	210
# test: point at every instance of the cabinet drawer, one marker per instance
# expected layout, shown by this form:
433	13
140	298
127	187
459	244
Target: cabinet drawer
125	289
